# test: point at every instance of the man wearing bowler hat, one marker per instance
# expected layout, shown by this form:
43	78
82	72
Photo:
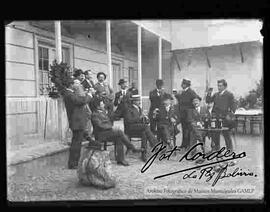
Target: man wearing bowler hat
155	97
184	104
122	96
105	91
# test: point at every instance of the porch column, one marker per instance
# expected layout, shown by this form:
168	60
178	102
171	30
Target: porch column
139	42
58	43
109	52
159	57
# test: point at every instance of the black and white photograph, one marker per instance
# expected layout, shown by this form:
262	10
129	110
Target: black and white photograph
149	109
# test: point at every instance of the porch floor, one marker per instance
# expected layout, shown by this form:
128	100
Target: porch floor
59	183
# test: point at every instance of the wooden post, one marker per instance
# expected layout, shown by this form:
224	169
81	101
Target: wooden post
109	52
58	51
159	57
139	42
58	43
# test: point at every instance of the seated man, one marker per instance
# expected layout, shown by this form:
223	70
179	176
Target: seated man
166	119
102	125
134	120
195	118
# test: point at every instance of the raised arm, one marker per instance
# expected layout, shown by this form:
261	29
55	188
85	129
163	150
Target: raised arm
79	100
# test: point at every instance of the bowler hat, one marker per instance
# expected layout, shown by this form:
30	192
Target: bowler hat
159	82
101	73
121	81
187	82
167	96
77	72
197	97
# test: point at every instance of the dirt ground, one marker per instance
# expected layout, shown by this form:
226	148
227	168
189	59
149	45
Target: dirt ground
59	183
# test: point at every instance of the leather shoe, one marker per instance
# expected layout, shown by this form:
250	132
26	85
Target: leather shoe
123	163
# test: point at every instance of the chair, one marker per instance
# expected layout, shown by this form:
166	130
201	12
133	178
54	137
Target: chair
241	120
135	136
172	136
105	142
256	119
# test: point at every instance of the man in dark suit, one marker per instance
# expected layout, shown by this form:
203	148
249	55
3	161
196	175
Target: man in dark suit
123	96
87	82
166	119
77	118
224	107
155	97
184	103
136	121
103	130
195	118
133	89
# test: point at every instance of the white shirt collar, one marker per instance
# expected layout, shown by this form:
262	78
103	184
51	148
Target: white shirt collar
68	89
222	92
198	109
186	89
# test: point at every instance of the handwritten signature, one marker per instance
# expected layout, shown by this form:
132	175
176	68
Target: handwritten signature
221	156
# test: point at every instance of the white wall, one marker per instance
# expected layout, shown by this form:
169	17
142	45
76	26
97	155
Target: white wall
201	33
225	64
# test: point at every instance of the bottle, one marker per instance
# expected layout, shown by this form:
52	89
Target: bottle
206	123
213	122
220	121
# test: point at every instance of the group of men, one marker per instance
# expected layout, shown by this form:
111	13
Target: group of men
92	108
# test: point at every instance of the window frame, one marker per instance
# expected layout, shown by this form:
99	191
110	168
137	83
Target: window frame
49	43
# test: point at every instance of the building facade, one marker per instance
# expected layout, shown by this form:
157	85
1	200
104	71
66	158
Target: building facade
32	117
139	51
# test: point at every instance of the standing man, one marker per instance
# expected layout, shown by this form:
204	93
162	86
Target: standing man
133	89
122	96
184	104
166	120
155	97
88	82
105	91
195	118
77	118
224	107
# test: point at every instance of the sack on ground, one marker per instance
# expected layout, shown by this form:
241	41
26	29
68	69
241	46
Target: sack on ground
94	169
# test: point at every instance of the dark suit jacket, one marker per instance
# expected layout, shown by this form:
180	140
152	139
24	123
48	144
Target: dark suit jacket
223	104
87	84
155	101
164	118
101	123
106	88
133	91
132	115
126	98
185	102
193	116
76	110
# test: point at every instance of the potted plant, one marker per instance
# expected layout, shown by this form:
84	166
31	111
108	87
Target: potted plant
59	74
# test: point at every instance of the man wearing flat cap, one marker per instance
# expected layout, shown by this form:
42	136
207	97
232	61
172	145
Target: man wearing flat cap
122	96
167	119
155	97
184	103
105	91
195	118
